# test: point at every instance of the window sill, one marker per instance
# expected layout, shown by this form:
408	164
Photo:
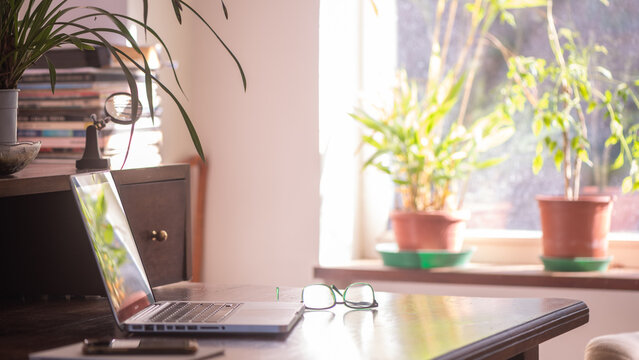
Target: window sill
512	247
481	274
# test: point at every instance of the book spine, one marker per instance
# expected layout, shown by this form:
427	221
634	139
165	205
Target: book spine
50	133
76	77
67	142
37	117
73	57
31	95
53	125
71	103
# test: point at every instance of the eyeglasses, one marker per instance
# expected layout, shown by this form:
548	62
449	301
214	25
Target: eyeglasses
321	296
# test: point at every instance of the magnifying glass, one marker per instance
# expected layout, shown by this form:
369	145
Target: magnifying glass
119	108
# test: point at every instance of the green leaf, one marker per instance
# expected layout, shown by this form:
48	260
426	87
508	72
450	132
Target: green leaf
537	125
583	156
608	96
574	143
538	162
591	107
177	8
619	161
627	185
226	12
52	74
490	162
605	72
559	158
520	4
145	14
601	49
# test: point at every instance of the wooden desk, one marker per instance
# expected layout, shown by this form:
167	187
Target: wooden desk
402	327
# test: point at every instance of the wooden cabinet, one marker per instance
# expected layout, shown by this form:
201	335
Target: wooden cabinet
44	247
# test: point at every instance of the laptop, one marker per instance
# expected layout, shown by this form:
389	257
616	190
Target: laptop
127	286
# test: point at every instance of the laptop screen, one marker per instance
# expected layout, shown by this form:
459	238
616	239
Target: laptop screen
112	242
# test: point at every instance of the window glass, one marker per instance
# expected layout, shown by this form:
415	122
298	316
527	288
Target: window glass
503	197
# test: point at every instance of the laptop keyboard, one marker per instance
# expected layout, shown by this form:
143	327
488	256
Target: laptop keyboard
208	313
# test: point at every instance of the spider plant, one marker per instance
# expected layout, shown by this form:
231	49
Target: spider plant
28	29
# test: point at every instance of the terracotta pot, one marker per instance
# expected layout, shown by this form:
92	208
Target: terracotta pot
434	230
577	228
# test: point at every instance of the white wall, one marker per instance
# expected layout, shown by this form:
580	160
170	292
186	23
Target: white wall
262	206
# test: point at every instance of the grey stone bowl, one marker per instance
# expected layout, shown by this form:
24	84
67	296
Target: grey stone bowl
14	157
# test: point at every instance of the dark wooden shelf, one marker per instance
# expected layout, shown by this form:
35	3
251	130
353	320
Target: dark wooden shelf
482	274
45	177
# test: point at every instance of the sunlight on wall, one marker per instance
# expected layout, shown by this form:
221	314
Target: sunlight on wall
357	60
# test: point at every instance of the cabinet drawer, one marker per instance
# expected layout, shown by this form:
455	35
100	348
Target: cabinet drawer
159	207
45	249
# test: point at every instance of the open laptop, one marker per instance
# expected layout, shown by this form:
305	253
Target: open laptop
127	286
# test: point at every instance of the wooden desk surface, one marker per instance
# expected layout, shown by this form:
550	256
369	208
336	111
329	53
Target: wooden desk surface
403	326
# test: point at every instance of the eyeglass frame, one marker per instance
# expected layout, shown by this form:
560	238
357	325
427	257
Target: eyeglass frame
334	289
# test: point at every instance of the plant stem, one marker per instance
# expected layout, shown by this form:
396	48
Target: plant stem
507	54
553	38
474	64
475	19
435	63
567	167
452	11
578	161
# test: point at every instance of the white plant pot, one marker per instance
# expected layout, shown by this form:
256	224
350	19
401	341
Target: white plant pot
8	116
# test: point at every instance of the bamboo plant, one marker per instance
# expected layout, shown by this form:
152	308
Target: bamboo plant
28	29
429	150
562	93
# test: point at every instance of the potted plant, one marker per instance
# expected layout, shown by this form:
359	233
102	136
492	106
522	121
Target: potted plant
427	163
429	154
562	93
28	29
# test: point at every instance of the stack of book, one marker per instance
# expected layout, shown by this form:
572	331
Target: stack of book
59	119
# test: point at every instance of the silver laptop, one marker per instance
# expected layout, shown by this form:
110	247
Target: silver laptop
127	286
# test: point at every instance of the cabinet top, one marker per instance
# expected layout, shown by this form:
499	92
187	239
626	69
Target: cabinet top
43	177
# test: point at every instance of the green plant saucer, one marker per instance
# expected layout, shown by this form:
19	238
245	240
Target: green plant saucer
442	258
392	256
575	264
425	259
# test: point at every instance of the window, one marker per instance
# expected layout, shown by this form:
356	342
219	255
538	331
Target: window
360	51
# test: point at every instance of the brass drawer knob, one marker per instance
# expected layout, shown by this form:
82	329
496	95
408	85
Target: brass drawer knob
161	235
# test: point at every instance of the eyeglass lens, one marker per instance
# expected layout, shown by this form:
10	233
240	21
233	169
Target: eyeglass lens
318	297
321	296
359	295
